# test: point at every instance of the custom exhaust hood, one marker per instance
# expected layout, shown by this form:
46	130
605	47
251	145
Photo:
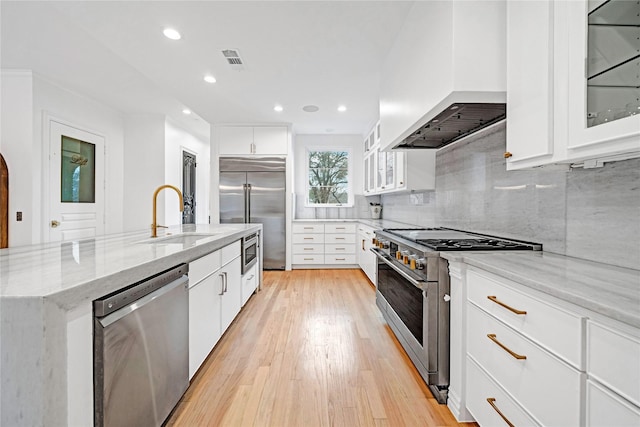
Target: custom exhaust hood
445	76
457	121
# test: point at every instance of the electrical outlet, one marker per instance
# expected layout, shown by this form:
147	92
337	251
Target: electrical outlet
18	216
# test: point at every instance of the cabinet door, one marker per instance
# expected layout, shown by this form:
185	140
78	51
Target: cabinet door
370	171
235	139
381	163
603	109
389	174
204	319
270	140
400	170
529	83
231	300
605	408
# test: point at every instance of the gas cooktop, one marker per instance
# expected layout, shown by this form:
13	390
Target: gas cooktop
448	239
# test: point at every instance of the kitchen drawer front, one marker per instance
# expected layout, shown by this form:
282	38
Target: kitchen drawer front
338	248
613	358
481	387
308	259
310	248
308	228
230	252
340	238
340	228
249	283
308	238
605	409
546	387
202	267
339	259
558	330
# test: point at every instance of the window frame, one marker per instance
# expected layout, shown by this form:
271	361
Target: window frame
350	195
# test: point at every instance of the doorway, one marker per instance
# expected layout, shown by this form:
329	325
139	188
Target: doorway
189	187
4	203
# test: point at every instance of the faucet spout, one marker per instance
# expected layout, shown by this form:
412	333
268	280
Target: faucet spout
154	225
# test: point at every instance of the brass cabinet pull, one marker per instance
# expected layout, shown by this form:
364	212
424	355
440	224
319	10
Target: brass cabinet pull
493	338
495	299
507	155
492	401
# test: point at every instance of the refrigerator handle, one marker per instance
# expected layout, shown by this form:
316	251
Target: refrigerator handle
244	192
248	203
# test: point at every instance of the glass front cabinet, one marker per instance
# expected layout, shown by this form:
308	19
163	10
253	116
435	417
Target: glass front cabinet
587	96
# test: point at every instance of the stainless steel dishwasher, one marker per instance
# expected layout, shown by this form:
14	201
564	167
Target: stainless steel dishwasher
141	350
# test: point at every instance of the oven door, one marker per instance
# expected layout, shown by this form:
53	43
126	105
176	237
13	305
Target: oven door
249	251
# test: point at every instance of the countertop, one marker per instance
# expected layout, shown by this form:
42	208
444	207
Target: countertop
608	290
70	273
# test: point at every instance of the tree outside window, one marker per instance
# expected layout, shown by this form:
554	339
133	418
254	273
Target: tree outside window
328	177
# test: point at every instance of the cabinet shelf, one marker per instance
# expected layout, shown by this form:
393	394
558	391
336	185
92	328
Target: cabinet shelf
616	12
625	74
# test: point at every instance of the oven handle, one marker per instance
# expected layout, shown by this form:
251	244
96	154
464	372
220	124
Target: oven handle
420	284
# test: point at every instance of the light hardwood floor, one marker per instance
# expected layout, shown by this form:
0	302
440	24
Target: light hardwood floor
309	349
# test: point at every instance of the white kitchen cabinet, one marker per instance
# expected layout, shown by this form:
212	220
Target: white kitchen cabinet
556	96
231	298
605	408
370	170
259	140
323	244
249	283
365	258
530	83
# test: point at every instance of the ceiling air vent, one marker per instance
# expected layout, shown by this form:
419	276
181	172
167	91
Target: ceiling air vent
233	58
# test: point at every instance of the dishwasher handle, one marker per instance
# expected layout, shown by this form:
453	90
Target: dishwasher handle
128	309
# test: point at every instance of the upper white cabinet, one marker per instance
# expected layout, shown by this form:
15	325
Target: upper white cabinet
394	171
446	52
573	78
260	140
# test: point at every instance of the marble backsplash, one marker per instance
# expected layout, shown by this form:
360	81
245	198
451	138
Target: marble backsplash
585	213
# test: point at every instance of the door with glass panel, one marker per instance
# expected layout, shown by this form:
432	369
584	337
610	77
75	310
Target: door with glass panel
76	183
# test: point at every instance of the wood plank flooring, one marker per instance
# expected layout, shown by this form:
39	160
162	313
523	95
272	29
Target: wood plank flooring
310	349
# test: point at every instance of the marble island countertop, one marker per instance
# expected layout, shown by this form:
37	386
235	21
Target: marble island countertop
69	273
605	289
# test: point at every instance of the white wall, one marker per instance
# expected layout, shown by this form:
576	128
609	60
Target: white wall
17	147
26	100
143	169
177	140
302	142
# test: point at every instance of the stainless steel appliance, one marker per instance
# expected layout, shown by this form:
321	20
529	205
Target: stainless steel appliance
252	190
249	251
141	351
413	292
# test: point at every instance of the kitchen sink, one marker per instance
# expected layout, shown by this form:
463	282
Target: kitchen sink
185	239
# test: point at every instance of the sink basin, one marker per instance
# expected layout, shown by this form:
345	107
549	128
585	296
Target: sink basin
185	239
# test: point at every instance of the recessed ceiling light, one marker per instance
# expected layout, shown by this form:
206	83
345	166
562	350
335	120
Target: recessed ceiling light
310	108
209	78
278	108
172	34
186	111
342	108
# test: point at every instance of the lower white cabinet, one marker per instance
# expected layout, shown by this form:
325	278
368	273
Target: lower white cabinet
366	259
249	283
318	244
215	298
606	409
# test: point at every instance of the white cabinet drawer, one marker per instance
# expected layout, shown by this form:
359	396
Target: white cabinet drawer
339	259
310	248
202	267
605	409
308	228
546	387
249	283
308	238
337	248
308	259
230	252
558	330
339	238
480	388
340	228
613	358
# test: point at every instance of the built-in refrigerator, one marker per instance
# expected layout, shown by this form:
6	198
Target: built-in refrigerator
252	190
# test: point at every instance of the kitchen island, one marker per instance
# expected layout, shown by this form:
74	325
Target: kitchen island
46	294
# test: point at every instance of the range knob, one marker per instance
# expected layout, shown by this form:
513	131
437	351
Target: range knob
405	257
384	244
421	263
398	255
412	261
374	242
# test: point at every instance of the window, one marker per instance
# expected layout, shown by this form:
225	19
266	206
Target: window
329	177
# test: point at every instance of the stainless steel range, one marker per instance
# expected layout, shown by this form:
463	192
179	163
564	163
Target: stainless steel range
413	291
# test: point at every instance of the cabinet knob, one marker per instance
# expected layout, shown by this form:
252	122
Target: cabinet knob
507	155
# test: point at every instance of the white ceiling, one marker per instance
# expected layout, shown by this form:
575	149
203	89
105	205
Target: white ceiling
296	53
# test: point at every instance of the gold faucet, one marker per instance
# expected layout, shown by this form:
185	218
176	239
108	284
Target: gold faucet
154	225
